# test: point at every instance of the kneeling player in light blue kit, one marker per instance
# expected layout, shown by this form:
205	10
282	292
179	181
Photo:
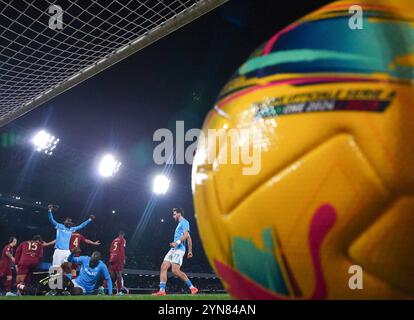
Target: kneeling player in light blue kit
91	269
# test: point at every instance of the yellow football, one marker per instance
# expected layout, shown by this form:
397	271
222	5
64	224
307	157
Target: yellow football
327	211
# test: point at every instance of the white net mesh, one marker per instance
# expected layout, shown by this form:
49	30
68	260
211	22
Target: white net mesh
38	62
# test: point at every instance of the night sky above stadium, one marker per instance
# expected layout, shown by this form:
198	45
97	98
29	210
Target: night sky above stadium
177	78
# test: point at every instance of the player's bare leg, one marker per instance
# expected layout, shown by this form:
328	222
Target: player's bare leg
177	272
20	279
113	278
164	271
119	281
163	278
7	283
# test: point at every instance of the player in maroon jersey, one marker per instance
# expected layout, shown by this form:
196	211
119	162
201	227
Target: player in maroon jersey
28	256
117	262
75	241
6	262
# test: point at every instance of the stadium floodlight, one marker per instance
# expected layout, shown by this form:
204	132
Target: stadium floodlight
161	184
108	166
44	142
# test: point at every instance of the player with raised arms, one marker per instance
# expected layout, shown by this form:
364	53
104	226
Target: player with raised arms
91	269
174	257
63	234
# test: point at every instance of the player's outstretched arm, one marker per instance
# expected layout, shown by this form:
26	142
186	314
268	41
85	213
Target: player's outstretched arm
190	247
94	243
72	258
84	224
47	244
108	279
50	215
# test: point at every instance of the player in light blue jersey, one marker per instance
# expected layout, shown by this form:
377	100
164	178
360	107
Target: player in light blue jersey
63	233
91	269
174	257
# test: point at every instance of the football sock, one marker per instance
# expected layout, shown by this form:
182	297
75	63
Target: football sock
189	284
162	286
119	284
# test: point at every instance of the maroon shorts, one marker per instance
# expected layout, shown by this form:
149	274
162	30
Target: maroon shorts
27	266
116	266
5	271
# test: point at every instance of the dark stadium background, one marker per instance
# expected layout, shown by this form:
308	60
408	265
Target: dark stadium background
177	78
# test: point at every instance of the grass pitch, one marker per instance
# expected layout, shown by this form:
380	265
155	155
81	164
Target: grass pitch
126	297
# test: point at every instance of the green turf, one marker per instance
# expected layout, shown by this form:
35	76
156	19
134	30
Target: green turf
128	297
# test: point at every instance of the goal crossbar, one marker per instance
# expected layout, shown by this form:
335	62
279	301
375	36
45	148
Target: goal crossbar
36	69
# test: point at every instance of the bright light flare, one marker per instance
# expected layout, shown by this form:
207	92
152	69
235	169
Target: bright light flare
44	142
108	166
161	184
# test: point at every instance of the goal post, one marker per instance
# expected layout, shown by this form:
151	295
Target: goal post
37	62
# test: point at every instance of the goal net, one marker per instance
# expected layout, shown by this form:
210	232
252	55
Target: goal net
47	47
